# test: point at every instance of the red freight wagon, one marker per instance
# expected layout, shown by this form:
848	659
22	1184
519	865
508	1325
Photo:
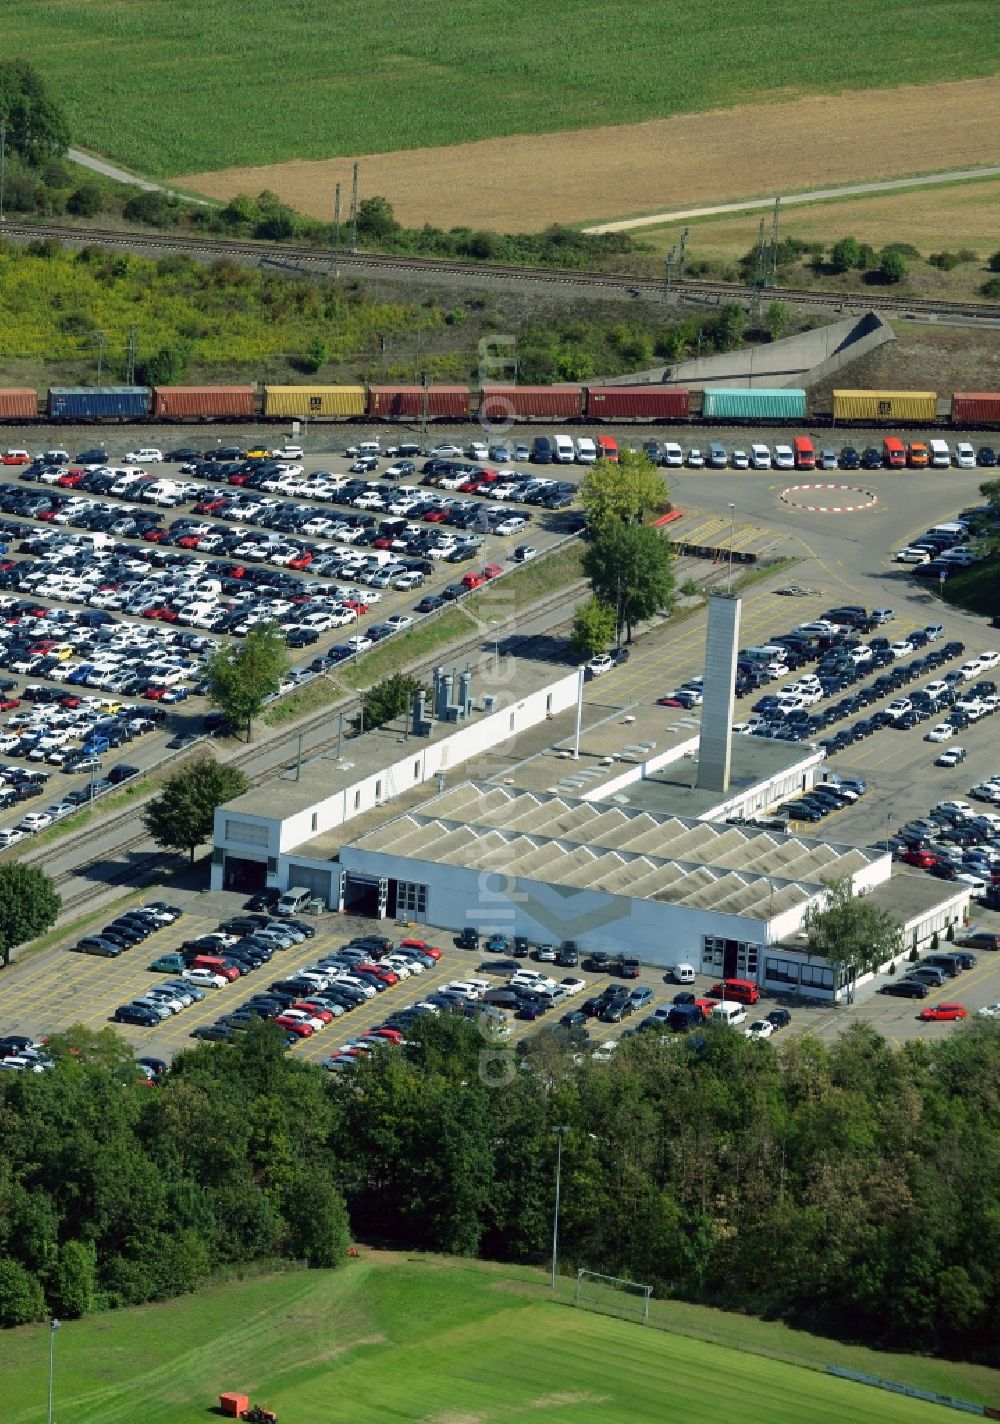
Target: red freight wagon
407	402
638	403
975	408
499	404
203	402
18	403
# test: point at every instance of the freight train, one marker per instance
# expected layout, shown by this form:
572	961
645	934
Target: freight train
495	406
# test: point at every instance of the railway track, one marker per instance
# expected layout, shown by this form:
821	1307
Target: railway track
619	283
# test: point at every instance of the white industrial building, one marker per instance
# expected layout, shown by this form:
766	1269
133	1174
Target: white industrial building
610	877
524	812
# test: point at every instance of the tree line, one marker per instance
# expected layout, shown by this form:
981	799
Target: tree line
850	1188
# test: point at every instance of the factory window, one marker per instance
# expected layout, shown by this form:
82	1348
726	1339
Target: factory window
548	702
246	833
315	821
357	800
416	770
411	898
378	791
512	721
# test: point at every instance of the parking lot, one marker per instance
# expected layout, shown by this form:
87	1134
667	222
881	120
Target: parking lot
58	987
896	765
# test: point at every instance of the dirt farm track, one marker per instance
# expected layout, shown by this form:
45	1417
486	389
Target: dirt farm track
524	183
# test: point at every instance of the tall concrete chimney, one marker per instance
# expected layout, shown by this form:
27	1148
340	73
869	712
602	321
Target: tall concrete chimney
719	696
465	693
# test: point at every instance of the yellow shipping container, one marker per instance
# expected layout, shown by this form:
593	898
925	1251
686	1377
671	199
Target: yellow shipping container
880	406
314	401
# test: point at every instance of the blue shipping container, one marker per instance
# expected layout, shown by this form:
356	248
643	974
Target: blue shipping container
98	402
742	403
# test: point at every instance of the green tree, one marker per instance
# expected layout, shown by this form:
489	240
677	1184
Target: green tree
622	493
21	1298
392	697
74	1279
731	327
850	929
86	201
593	628
240	679
777	320
182	816
994	263
630	570
167	367
240	211
376	217
36	127
313	357
29	903
152	207
991	289
318	1228
990	491
845	254
892	266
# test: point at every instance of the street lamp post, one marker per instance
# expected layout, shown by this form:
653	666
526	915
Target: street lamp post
53	1327
732	535
560	1133
3	164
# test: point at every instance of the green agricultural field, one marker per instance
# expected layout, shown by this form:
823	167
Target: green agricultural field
393	1338
178	86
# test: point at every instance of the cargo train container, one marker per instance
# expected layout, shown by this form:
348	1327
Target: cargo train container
638	403
975	408
496	405
411	402
18	403
98	402
877	407
204	402
315	402
499	404
752	403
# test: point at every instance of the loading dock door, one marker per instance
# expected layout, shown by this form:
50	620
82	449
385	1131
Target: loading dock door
316	881
362	894
243	875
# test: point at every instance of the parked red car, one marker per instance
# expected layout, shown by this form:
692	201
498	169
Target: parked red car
938	1012
922	859
299	1026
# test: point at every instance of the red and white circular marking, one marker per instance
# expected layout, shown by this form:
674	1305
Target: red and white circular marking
867	499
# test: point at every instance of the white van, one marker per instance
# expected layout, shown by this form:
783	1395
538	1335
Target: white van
586	450
940	454
563	450
682	974
731	1014
294	901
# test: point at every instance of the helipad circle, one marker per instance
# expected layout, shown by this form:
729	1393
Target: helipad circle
837	499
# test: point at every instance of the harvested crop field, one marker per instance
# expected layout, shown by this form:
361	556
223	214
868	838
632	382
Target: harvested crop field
931	219
523	183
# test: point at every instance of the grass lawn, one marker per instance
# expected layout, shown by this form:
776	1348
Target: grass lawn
976	589
169	86
391	1338
544	575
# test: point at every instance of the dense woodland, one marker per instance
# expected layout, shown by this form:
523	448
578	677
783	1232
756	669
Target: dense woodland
851	1188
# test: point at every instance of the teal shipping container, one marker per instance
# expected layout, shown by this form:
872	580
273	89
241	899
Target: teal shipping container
742	403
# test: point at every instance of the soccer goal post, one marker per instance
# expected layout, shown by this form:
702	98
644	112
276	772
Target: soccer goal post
614	1295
